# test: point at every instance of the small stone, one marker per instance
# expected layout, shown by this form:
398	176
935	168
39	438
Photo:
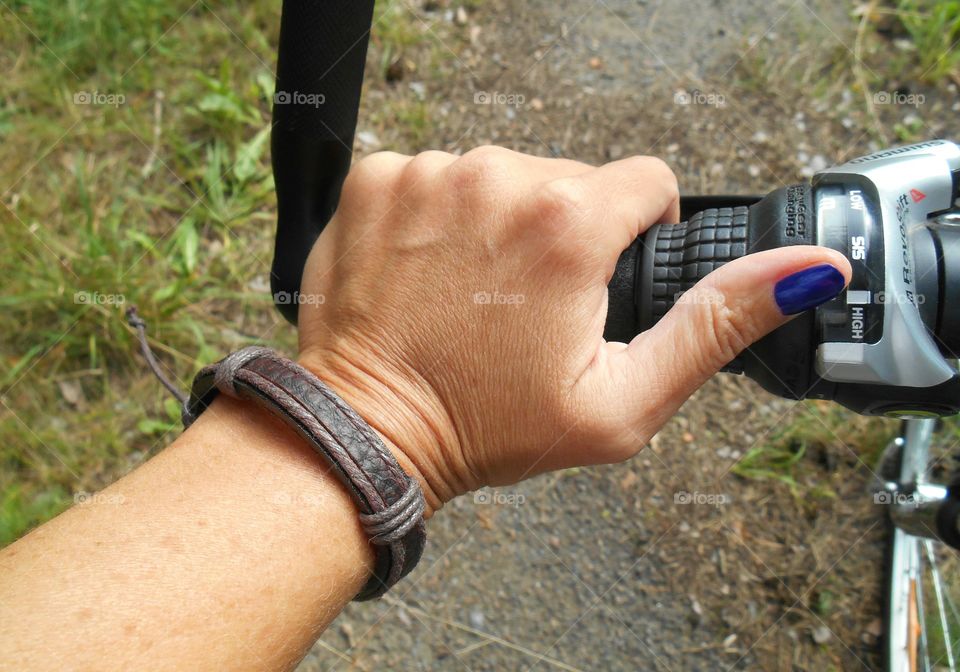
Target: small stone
687	437
476	618
536	104
614	152
595	63
729	640
872	632
419	89
369	140
822	635
461	18
394	72
819	162
71	391
347	631
673	148
260	284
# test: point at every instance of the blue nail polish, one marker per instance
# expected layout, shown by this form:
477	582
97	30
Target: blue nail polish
808	288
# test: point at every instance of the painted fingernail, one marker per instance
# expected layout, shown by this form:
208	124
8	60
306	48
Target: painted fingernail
808	288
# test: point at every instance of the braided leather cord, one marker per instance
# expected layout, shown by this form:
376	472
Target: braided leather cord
391	503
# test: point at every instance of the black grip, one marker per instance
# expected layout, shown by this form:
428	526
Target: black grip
668	260
683	254
323	47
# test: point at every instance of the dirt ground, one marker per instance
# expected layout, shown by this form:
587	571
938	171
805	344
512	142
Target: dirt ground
669	561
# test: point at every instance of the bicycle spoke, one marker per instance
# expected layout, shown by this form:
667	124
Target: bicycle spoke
921	611
953	607
941	607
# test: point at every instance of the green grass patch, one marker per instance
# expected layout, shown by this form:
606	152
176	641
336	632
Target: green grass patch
134	150
819	437
136	171
933	28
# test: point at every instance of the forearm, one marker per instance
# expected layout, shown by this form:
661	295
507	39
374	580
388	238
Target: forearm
232	548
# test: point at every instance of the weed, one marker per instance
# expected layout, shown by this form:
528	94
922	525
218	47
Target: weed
819	436
933	27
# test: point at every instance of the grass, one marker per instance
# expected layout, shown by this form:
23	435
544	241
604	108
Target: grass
161	197
134	155
820	437
894	53
933	28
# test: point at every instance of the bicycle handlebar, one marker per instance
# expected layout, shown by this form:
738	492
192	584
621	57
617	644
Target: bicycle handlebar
323	47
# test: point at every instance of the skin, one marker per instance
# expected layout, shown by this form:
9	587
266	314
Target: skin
462	316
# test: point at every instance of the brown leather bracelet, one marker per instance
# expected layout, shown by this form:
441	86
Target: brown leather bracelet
391	503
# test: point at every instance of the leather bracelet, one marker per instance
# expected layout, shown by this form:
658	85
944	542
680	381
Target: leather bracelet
391	503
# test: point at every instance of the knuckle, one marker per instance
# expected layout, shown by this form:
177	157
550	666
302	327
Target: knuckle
664	174
557	217
560	203
424	166
373	172
485	153
478	166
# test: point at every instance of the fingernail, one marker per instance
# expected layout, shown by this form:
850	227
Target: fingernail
808	288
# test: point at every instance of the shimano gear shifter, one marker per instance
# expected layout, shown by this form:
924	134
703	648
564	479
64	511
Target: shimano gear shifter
884	345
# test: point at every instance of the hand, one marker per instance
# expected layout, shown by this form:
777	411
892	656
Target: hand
458	303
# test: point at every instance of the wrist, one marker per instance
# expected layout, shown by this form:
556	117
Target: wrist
391	504
408	419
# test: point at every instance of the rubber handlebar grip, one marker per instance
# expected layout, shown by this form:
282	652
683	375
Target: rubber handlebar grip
665	262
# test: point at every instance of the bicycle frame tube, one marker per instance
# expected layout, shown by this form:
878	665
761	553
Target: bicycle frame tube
915	501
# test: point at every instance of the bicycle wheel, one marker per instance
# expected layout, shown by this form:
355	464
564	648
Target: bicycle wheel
923	584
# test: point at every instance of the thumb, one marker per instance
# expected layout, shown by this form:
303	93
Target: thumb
725	312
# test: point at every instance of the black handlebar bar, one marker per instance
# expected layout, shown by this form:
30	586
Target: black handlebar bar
323	47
